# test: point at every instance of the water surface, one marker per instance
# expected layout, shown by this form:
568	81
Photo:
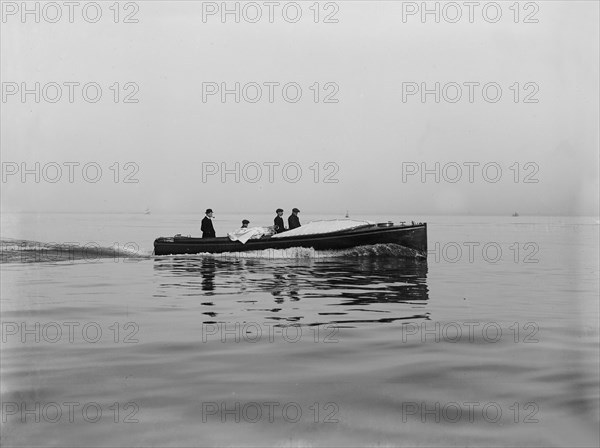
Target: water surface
298	348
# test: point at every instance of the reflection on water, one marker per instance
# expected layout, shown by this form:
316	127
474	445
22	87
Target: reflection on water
207	270
370	289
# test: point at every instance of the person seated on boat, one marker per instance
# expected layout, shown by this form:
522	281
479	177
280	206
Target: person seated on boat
279	227
208	231
245	223
293	220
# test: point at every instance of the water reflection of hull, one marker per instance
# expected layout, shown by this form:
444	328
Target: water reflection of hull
413	238
349	290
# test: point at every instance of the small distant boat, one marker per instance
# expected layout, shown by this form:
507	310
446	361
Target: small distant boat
412	236
147	211
515	214
347	214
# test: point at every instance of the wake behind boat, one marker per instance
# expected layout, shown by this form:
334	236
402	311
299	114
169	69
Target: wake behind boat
319	235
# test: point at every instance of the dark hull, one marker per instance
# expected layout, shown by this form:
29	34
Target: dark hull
412	237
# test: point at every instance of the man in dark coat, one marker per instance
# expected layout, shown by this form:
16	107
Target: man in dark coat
279	227
293	220
208	231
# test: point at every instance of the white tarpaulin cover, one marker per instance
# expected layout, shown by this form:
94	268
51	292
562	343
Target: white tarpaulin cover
252	233
333	225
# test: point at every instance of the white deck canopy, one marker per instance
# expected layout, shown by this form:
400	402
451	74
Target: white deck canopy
329	226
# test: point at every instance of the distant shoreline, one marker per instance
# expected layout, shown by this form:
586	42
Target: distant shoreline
242	212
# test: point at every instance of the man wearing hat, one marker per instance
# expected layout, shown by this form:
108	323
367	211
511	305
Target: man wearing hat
245	223
279	221
293	220
208	231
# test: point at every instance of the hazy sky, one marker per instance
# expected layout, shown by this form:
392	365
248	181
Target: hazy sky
374	140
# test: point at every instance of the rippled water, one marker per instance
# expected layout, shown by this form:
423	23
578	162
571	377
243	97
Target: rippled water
300	348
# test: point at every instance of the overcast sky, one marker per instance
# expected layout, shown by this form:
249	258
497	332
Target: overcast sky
374	141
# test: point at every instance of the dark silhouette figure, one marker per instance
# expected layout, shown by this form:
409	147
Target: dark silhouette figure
293	220
208	231
278	221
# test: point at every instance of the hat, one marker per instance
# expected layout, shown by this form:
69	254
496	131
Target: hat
245	221
295	210
279	210
208	210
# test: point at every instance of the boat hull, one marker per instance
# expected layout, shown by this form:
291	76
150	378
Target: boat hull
412	237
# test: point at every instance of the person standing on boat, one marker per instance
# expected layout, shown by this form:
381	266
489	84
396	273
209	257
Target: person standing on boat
293	220
208	231
279	227
245	223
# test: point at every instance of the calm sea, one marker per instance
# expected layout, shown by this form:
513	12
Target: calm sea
493	341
